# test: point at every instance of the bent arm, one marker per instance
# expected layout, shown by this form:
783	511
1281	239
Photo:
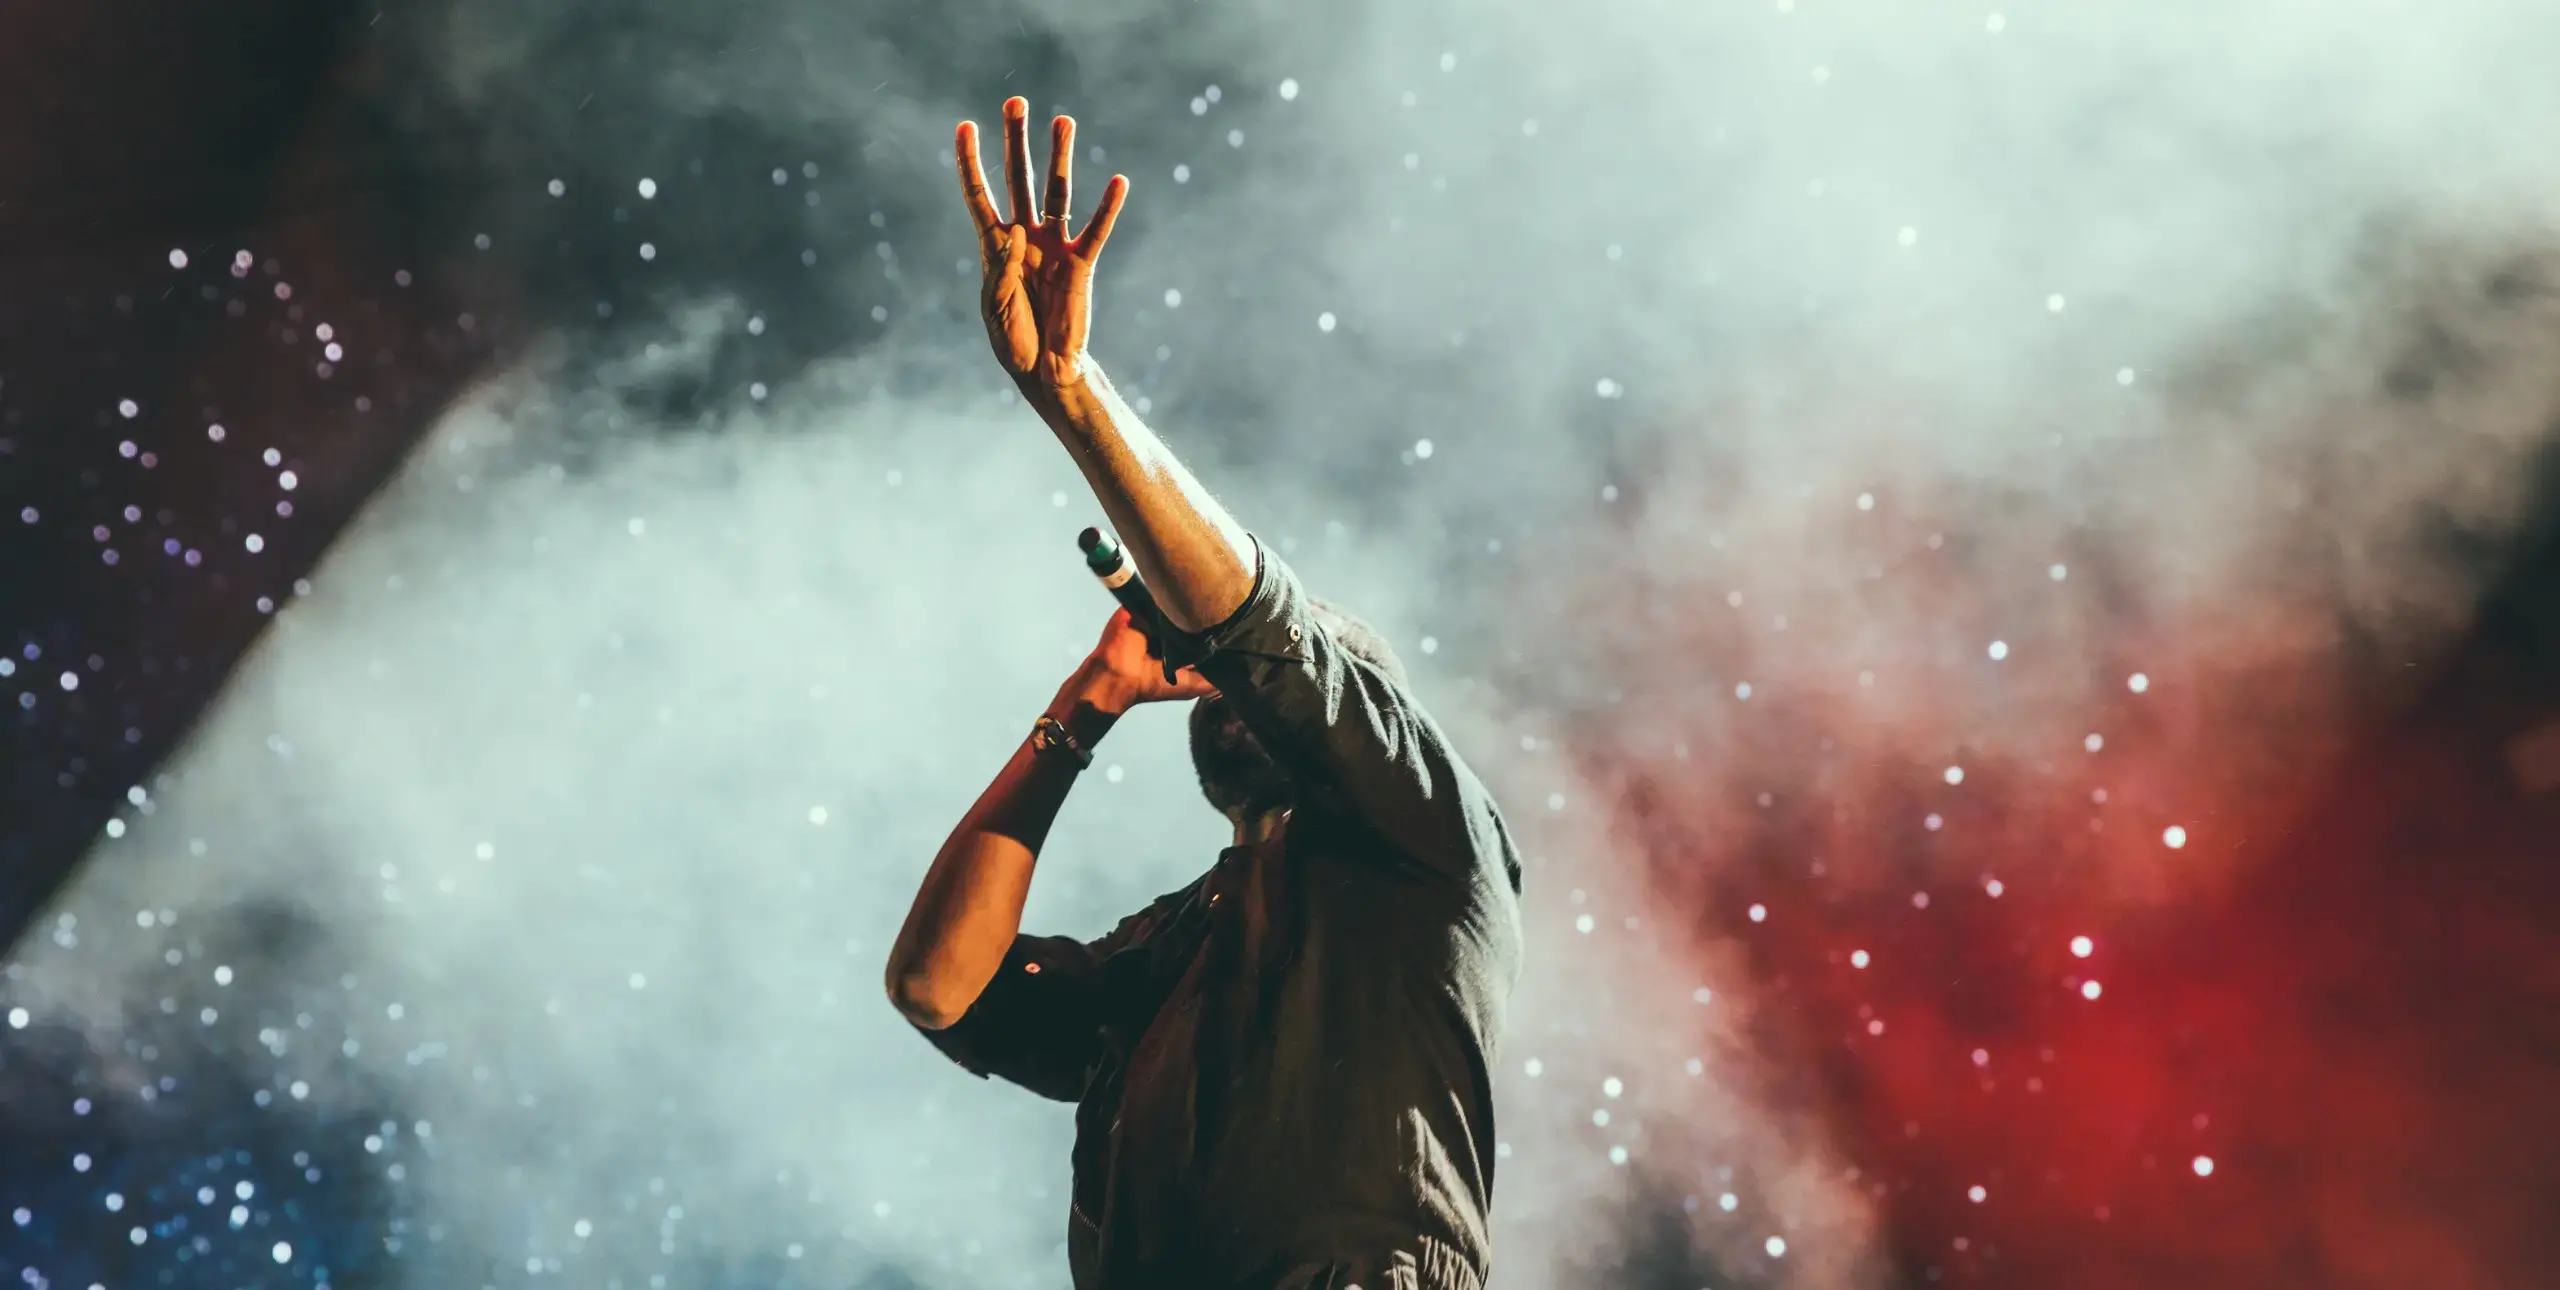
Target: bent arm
969	907
1345	728
1193	554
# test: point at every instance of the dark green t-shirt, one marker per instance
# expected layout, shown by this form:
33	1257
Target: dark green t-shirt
1284	1071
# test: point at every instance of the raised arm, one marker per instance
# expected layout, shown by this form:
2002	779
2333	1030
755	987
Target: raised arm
1345	727
1037	302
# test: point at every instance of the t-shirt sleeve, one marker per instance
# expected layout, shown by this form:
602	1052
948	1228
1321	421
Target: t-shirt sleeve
1038	1024
1347	730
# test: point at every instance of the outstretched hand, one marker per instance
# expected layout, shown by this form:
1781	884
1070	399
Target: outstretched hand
1038	282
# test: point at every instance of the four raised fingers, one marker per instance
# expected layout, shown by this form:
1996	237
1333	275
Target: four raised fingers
1053	209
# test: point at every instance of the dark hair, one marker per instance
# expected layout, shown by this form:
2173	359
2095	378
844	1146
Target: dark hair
1362	640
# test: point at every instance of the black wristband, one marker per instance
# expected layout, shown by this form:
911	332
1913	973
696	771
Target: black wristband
1050	736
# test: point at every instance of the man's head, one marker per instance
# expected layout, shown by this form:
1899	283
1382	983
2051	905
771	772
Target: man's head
1236	775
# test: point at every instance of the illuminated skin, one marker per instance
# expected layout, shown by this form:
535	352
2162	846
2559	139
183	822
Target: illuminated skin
1036	299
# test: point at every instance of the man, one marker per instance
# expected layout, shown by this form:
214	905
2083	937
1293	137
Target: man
1283	1071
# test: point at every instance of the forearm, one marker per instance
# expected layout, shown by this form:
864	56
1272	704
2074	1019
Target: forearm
969	907
1193	554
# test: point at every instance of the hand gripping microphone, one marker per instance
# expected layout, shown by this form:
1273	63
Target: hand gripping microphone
1108	563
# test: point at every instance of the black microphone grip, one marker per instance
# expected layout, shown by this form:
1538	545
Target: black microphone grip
1111	566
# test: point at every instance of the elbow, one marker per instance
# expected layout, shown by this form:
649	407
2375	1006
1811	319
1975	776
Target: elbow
917	997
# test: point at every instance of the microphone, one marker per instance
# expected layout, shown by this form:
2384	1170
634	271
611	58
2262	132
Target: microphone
1110	565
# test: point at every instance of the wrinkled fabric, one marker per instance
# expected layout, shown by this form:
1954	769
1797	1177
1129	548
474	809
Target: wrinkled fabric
1283	1071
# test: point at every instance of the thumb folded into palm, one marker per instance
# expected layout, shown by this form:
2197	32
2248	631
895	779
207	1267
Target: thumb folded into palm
1010	307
